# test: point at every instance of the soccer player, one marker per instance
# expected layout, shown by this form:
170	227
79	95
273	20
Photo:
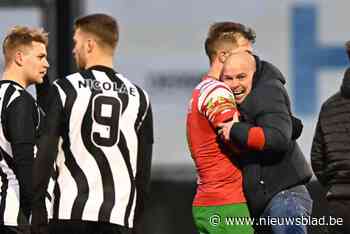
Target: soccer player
219	192
26	63
99	132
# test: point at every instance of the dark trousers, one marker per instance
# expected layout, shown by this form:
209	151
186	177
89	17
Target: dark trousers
339	209
14	230
85	227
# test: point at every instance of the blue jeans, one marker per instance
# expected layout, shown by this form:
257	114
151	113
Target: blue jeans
289	204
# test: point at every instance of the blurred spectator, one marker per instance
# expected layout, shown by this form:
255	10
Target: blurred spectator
330	152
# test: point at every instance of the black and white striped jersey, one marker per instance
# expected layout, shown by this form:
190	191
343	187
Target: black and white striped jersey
20	119
99	130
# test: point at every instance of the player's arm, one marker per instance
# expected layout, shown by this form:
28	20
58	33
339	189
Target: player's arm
318	154
144	161
46	155
218	105
20	126
272	127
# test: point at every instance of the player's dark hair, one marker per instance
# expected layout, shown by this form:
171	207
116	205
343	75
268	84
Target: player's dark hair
103	26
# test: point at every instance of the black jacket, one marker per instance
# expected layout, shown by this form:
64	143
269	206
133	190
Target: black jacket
279	163
330	153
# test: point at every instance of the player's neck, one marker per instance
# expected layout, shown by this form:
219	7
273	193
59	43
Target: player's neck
215	70
16	76
106	61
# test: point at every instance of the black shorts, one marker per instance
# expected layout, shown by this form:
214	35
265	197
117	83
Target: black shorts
86	227
15	229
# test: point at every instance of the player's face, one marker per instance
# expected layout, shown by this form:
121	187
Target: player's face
239	77
35	63
79	52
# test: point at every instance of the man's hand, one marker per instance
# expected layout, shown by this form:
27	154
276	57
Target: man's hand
225	128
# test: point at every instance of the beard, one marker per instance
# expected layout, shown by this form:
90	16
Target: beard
80	61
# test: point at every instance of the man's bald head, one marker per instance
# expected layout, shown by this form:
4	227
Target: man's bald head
238	72
240	59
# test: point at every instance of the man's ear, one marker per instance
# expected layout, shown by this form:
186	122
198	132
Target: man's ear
223	56
18	58
90	45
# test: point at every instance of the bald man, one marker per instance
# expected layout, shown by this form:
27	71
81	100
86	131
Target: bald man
238	73
274	168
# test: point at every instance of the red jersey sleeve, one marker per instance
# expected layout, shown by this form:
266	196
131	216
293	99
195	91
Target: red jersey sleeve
217	103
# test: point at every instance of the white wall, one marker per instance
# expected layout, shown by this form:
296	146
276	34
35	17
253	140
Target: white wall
167	37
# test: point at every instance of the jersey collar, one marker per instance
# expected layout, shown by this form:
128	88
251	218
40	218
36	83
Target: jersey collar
102	68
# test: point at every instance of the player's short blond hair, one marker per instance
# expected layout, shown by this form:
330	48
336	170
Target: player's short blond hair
20	36
226	34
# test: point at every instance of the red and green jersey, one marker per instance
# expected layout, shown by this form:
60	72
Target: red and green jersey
219	180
